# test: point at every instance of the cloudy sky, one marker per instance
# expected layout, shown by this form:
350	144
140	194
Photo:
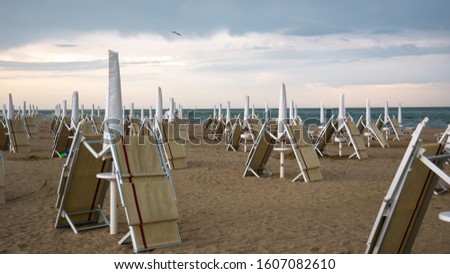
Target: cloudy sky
379	49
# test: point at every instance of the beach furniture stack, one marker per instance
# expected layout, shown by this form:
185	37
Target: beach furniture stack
81	194
402	211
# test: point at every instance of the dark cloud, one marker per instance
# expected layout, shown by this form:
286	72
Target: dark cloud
28	20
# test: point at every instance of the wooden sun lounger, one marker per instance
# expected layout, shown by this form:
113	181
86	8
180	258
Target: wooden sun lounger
62	140
4	138
183	128
2	180
174	146
80	193
146	193
32	126
396	127
218	130
18	136
406	202
234	140
378	135
97	124
259	154
305	155
325	136
356	140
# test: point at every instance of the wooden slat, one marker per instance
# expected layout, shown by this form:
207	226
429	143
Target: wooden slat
20	137
154	198
156	235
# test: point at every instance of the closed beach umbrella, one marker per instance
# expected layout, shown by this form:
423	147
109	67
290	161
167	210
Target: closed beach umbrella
114	110
246	109
75	111
368	114
228	112
386	112
281	110
10	107
159	106
322	113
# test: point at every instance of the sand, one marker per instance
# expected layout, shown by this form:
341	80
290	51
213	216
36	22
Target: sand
222	212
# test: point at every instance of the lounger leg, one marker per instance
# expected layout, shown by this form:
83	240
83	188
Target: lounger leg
266	169
256	174
114	226
125	239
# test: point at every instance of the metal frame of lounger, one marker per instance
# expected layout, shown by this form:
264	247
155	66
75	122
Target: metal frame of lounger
120	177
376	133
2	179
17	139
302	151
234	138
85	214
324	137
259	153
218	131
356	140
4	138
31	126
395	127
162	134
406	202
57	141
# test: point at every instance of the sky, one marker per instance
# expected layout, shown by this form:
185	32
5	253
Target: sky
381	50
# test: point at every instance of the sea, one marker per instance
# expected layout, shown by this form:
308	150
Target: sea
439	117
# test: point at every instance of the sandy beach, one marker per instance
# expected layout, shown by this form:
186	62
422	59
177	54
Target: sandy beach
222	212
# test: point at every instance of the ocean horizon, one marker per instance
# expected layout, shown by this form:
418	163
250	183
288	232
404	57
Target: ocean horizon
439	117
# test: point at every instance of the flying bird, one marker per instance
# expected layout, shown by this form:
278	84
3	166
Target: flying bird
177	33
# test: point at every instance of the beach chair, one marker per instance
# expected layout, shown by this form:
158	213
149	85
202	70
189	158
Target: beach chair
379	122
54	123
97	123
376	133
395	127
259	153
2	179
356	140
408	197
360	125
19	142
63	139
217	132
81	194
173	145
31	126
183	128
305	154
207	123
325	136
4	138
234	140
146	193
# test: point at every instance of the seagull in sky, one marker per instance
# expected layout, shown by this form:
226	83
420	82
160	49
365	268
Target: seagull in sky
177	33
